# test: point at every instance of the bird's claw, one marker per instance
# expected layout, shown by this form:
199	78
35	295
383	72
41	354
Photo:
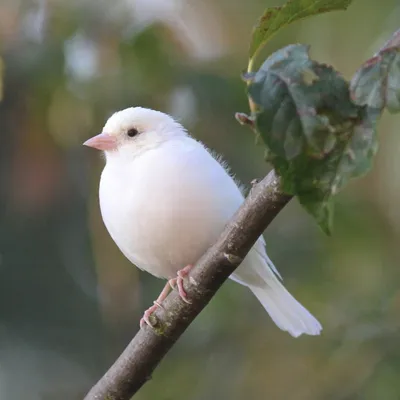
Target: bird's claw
178	282
146	315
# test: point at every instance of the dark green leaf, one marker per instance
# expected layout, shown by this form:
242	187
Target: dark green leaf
377	83
275	18
317	138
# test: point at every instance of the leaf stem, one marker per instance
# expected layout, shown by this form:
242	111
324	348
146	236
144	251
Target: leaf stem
250	67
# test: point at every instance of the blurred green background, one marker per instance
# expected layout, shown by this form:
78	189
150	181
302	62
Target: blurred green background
69	300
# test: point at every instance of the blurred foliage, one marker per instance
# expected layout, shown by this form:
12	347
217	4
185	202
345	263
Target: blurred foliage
69	301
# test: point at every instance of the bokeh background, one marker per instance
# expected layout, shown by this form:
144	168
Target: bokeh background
70	302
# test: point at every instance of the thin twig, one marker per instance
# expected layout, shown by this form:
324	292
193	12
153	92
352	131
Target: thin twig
136	364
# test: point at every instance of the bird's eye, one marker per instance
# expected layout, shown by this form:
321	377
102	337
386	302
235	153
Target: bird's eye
132	132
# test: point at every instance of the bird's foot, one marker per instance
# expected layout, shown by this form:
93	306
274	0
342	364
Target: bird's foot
157	303
178	281
146	315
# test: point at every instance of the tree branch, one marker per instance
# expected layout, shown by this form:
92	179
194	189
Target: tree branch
138	361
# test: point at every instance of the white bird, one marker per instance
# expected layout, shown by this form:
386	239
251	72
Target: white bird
165	200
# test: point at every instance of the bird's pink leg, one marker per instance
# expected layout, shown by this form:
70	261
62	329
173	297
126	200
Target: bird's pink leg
178	281
182	273
157	303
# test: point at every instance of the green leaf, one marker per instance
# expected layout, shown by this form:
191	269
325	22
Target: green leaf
317	138
275	18
377	83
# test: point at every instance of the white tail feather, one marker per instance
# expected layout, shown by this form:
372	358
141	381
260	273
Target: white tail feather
287	313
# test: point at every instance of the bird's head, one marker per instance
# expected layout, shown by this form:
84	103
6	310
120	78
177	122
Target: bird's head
134	130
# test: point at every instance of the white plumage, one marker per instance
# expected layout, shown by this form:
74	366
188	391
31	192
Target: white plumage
165	199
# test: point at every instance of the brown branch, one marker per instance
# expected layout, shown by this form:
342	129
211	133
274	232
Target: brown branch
138	361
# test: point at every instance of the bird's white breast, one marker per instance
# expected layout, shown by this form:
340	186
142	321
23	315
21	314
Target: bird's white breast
167	206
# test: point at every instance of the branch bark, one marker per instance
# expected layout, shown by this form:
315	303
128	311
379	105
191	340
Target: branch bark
136	364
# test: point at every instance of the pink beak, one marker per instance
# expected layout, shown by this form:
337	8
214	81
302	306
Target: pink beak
103	141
